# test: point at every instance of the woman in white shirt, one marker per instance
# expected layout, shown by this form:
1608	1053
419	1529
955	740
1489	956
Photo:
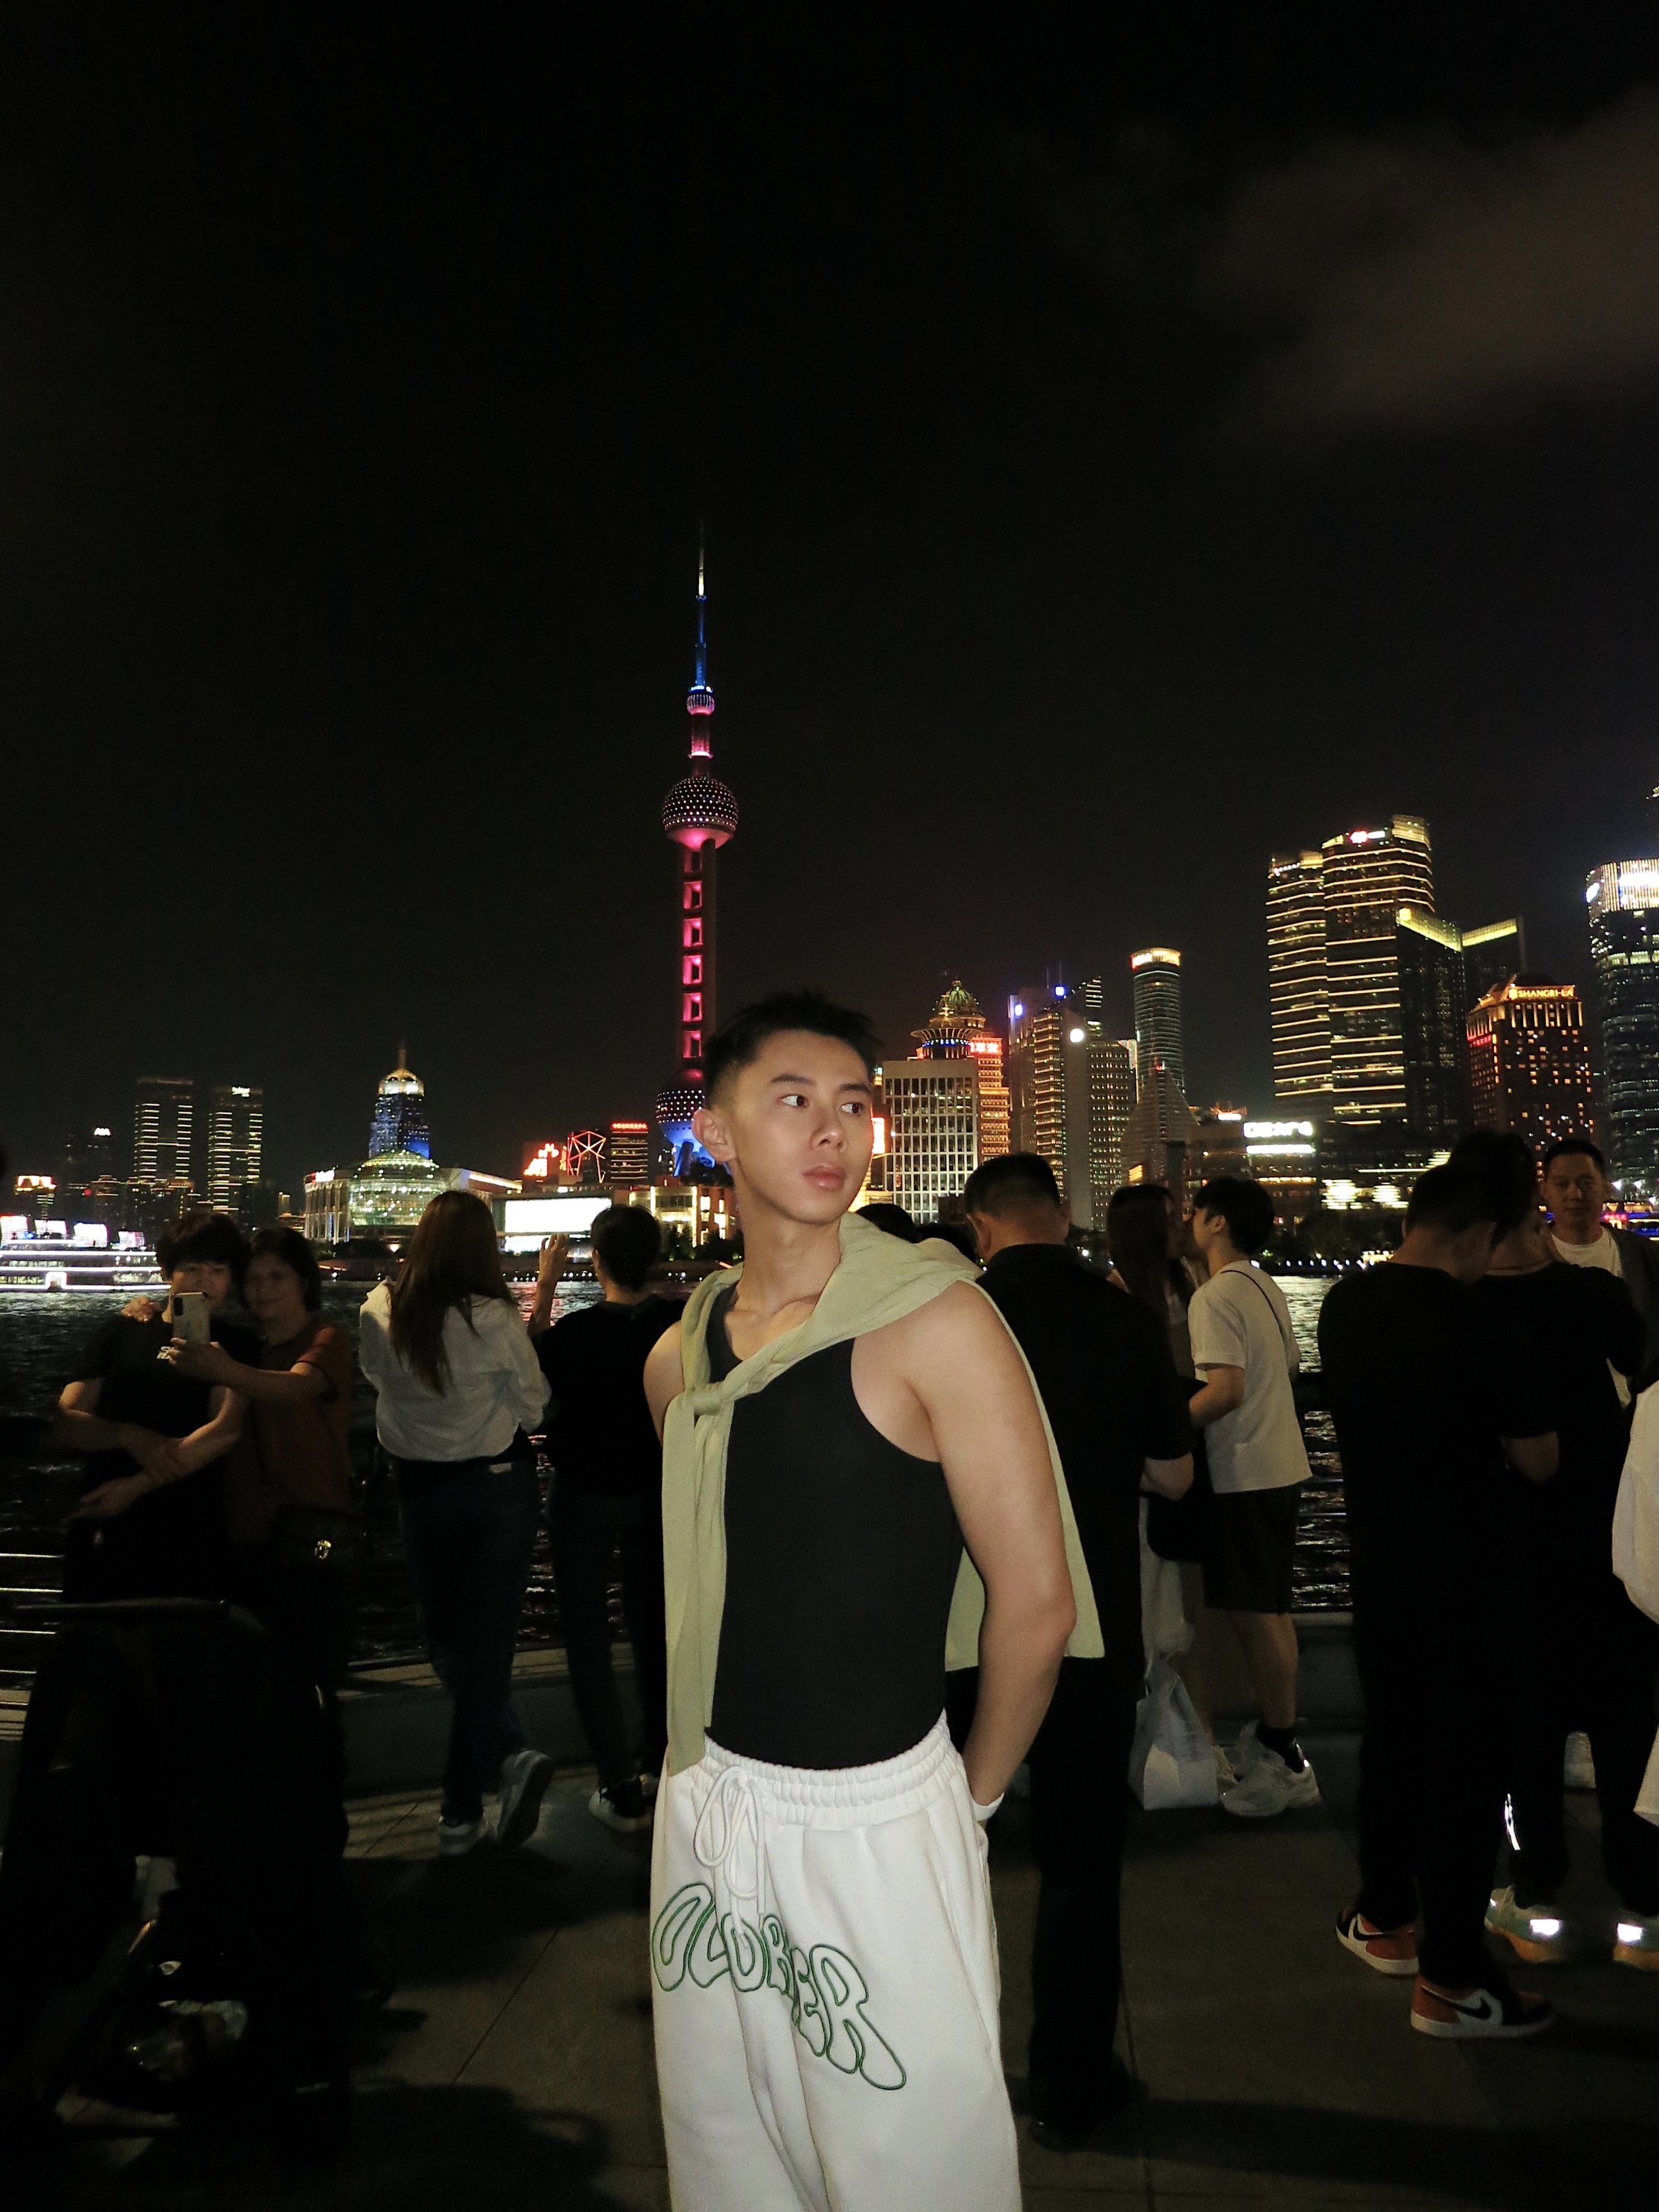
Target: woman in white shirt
458	1383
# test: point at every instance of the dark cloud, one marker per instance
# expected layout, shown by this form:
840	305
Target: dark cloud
1399	282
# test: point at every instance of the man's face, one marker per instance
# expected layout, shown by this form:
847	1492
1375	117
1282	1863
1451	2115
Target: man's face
1206	1227
794	1126
210	1278
1576	1192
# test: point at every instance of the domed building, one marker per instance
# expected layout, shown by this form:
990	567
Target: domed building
399	1122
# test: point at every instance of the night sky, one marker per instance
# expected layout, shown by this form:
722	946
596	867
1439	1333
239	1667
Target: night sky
1129	444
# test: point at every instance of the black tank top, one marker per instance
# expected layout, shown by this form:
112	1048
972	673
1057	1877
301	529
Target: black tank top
840	1557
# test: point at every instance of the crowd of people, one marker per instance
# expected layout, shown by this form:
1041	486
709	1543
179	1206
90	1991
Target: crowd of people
880	1503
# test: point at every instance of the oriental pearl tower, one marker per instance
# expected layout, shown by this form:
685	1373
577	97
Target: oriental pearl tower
699	815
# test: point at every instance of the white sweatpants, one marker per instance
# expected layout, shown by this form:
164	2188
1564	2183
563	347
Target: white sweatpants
825	1988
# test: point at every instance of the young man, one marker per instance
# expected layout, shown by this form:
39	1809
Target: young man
1578	1652
151	1519
1429	1400
1244	1347
1577	1192
839	1417
1118	1415
606	1498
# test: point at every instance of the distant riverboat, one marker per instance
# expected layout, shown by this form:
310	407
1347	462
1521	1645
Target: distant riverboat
53	1263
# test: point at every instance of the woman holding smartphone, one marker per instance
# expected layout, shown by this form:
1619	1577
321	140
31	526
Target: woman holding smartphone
151	1519
458	1384
296	1538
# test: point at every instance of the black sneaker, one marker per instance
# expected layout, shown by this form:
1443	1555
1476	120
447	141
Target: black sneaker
621	1807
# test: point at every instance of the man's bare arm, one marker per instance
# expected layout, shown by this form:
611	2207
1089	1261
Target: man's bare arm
1223	1392
972	1384
1536	1457
663	1379
1168	1478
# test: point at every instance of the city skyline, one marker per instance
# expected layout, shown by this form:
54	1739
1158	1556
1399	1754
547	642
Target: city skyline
376	646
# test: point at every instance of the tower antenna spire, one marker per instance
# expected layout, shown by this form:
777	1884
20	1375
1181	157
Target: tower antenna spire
700	699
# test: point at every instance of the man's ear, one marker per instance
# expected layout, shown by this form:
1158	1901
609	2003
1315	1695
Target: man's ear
709	1127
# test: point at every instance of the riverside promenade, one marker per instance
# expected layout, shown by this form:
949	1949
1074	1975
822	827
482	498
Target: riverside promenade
513	2066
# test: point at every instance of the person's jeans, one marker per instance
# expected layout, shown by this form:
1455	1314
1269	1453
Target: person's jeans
588	1529
470	1530
1431	1787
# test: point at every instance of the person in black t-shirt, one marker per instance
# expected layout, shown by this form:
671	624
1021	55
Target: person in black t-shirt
1428	1399
1579	1654
606	1498
1118	1411
150	1521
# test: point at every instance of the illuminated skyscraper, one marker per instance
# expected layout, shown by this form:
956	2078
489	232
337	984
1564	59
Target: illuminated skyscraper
1156	976
1368	875
1295	979
235	1142
1073	1090
1529	1061
164	1129
628	1156
957	1029
932	1131
1623	898
699	815
1443	970
398	1123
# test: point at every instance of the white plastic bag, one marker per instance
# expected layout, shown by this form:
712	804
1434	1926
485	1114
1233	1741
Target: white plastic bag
1170	1764
1165	1630
1647	1797
1636	1515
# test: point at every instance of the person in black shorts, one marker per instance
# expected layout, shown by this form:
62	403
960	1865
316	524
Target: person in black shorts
150	1521
1245	1349
606	1501
1430	1399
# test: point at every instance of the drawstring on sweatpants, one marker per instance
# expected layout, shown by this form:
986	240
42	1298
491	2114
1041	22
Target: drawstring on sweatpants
729	1832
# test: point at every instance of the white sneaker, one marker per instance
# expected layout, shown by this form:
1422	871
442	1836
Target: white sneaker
525	1777
1268	1787
1578	1767
1635	1941
457	1838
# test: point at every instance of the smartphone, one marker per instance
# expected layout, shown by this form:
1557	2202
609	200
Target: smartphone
190	1319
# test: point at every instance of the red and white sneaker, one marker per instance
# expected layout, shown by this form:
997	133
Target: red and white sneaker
1493	2012
1388	1950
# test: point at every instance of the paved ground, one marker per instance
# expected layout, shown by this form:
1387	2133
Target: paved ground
513	2065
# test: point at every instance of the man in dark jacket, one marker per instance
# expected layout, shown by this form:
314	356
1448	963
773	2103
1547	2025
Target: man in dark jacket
1118	1412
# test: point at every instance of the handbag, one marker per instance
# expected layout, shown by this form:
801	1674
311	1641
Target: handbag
1179	1527
312	1541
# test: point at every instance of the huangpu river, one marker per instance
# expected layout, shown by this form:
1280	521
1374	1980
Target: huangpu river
40	1337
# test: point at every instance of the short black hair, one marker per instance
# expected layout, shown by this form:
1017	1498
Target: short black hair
1506	1161
1243	1205
296	1253
201	1239
893	1219
1554	1151
1454	1198
627	1239
1010	1183
737	1043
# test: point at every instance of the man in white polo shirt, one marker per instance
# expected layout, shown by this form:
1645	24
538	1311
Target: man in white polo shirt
1577	1192
1245	1349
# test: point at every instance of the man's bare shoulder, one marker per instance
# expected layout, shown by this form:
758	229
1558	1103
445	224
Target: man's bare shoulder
960	1324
